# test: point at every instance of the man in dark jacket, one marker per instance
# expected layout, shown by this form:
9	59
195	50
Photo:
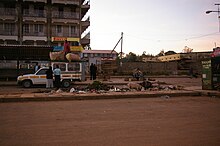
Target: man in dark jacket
49	76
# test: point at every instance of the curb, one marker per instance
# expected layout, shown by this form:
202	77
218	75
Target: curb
46	97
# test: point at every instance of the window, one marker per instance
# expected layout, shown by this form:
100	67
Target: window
9	28
73	13
26	10
73	10
59	29
26	28
9	8
72	30
60	9
61	66
74	67
41	11
38	28
42	72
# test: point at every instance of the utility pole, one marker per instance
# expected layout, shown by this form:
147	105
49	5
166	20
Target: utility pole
120	40
218	16
121	44
207	12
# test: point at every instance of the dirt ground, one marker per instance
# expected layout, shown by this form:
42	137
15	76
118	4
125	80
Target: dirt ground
193	121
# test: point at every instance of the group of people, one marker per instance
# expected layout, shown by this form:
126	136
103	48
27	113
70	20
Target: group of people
49	75
93	71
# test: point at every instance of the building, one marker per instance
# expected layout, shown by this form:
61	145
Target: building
44	22
187	61
101	54
185	56
149	59
30	29
104	59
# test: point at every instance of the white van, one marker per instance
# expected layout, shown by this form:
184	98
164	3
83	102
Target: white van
70	71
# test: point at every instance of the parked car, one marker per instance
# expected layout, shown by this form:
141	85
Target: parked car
70	72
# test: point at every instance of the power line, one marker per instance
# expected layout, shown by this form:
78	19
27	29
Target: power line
174	40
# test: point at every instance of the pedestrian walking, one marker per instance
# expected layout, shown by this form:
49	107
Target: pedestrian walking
57	74
49	76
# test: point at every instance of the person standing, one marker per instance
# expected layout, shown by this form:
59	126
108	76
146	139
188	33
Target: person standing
36	67
91	69
49	76
57	74
94	72
66	49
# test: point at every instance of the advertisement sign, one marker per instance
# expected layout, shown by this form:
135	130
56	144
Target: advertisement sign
206	75
62	39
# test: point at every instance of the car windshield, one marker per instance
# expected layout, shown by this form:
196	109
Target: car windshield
42	72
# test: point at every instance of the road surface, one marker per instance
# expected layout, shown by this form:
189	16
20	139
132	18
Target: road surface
114	122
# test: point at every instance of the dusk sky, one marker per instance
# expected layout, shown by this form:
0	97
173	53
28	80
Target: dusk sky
154	25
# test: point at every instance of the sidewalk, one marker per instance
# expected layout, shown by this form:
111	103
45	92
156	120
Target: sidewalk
57	96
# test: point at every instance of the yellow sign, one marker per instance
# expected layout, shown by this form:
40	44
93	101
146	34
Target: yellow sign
62	39
76	48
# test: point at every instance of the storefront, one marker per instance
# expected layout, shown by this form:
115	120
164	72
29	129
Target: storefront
211	71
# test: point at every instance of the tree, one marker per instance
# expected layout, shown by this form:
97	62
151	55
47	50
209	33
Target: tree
161	53
132	57
170	53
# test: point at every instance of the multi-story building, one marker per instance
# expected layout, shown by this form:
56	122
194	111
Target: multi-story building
44	22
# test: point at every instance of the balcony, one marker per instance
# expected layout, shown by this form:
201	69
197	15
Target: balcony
85	25
69	2
85	8
85	40
43	1
34	36
8	35
34	15
56	34
8	14
64	17
8	32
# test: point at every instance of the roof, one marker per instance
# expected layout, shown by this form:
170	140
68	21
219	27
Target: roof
99	51
28	46
24	52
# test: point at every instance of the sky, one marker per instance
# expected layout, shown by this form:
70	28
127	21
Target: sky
153	25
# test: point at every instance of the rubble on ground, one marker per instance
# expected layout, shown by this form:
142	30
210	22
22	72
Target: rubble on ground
100	88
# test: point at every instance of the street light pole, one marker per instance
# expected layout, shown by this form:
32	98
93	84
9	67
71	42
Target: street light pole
207	12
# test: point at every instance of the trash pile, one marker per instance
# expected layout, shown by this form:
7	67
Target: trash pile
99	87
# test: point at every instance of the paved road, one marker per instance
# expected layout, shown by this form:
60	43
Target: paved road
121	122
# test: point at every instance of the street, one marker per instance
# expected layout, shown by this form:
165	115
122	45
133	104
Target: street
114	122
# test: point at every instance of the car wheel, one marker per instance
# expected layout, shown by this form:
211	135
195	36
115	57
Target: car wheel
27	84
66	83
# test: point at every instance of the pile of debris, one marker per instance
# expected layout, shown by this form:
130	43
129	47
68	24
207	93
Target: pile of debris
99	87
